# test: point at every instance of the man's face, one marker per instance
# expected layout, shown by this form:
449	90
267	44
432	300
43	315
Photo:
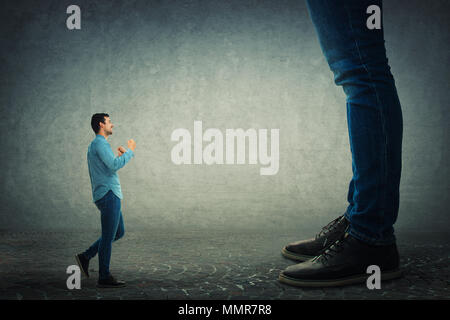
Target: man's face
107	126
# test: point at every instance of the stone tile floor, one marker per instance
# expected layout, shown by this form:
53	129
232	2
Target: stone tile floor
223	265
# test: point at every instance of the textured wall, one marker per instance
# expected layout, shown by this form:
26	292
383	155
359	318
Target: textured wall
155	66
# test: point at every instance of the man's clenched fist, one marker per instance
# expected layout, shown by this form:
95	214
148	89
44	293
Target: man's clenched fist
121	150
131	144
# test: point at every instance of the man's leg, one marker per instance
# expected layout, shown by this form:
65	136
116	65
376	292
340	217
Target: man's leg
93	249
120	228
109	220
357	57
110	217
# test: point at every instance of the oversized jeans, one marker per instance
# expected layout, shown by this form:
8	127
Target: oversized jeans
357	57
112	230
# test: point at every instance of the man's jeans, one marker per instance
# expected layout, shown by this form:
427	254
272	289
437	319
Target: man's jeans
357	57
112	230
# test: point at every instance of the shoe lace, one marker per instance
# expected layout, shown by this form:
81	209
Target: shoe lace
329	227
335	248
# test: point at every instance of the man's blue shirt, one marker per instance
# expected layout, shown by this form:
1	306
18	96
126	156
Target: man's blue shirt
103	166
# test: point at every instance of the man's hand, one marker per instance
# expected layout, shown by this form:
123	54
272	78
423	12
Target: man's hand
131	144
121	150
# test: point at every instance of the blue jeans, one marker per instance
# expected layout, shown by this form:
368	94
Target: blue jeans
112	230
357	57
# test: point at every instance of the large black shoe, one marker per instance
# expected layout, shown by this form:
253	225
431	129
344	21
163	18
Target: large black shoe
307	249
83	263
110	282
345	262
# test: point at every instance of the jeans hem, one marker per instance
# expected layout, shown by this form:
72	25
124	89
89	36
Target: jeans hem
365	238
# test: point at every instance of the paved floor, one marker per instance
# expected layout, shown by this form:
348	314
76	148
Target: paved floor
163	264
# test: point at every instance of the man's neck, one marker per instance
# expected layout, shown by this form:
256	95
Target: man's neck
103	134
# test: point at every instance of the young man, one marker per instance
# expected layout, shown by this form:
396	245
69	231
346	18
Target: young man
364	235
107	193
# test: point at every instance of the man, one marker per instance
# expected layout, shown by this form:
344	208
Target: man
106	192
364	235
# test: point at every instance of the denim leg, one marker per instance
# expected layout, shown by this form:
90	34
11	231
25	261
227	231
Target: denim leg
111	213
93	249
120	228
351	191
357	57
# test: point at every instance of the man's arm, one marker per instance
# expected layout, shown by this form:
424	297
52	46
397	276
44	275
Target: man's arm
107	156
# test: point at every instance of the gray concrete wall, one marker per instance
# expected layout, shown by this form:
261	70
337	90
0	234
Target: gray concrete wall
155	66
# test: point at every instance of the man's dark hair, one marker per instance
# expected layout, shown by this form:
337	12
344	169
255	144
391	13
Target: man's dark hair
96	119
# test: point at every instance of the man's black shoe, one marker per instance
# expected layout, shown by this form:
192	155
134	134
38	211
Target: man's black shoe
83	263
345	262
307	249
110	282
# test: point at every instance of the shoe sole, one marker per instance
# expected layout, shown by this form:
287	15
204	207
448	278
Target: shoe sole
386	275
81	266
110	286
295	256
